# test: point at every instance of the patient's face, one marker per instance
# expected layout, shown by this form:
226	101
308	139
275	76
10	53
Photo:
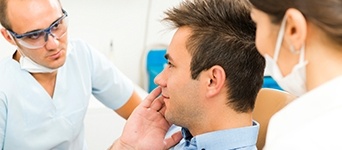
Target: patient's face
181	93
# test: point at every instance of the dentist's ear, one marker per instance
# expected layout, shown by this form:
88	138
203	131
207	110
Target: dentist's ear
296	29
216	80
7	36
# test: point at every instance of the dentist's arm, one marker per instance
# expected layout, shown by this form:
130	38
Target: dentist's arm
126	110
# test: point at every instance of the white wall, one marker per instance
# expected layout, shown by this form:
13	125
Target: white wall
121	29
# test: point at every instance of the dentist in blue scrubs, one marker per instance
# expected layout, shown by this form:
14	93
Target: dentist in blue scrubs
46	84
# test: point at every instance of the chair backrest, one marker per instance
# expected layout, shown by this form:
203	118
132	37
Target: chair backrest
155	63
268	102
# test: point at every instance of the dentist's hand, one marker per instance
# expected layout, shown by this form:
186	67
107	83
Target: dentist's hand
146	128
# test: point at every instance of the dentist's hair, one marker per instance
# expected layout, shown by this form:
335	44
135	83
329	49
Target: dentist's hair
3	14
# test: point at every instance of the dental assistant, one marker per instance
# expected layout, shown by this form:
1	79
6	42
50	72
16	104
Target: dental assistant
302	43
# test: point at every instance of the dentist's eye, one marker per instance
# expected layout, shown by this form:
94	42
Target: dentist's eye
35	35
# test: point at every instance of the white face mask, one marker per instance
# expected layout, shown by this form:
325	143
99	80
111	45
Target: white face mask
294	82
31	66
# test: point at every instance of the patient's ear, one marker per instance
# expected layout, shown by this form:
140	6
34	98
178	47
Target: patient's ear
217	78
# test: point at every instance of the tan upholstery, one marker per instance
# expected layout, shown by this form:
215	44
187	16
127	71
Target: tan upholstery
268	102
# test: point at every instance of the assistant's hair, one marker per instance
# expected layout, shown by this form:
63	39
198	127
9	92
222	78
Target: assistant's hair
326	14
223	34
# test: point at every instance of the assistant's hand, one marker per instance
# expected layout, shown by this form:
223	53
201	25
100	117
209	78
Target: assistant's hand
147	127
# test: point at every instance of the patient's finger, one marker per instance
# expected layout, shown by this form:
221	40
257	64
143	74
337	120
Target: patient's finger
151	97
157	104
162	110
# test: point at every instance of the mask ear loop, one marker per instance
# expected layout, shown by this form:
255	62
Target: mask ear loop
279	39
300	52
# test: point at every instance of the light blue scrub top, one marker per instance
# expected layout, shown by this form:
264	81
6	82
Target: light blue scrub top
31	120
244	138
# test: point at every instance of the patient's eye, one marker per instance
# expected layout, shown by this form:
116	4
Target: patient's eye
169	64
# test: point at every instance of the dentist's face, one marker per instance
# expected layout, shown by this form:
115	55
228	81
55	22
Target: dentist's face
32	15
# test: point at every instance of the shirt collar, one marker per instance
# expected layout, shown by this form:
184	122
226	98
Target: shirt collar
223	139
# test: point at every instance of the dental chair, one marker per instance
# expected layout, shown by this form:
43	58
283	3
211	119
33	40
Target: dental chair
268	102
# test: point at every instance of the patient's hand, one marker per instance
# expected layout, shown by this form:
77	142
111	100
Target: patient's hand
147	127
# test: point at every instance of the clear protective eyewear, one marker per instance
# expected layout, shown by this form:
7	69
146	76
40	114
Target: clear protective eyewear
38	38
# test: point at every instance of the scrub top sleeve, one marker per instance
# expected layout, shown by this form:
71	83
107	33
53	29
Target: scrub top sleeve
109	85
3	118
